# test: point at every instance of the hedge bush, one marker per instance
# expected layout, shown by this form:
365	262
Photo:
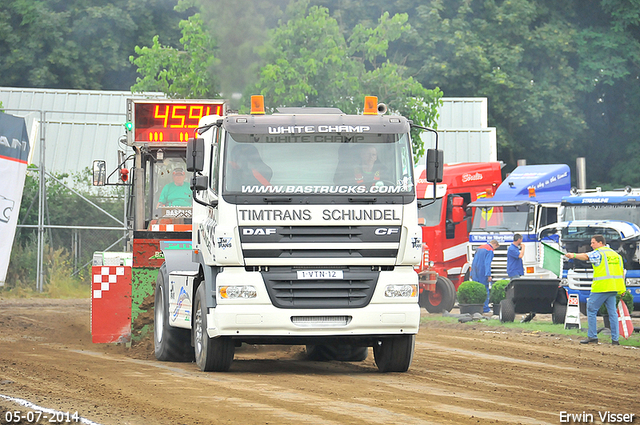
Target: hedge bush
471	292
498	293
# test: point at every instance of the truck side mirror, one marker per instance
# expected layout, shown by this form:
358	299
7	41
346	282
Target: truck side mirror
195	154
199	183
457	214
435	165
99	172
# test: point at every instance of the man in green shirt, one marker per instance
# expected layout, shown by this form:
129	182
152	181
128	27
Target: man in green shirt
176	193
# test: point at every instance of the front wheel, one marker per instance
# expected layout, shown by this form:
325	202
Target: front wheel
507	311
443	298
212	354
394	353
169	343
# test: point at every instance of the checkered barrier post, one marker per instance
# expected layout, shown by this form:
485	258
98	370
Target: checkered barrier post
111	304
572	316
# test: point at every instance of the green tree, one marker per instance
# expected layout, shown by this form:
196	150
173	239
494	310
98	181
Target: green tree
561	77
309	62
183	73
79	44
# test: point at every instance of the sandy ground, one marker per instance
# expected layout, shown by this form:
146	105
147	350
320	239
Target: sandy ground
461	374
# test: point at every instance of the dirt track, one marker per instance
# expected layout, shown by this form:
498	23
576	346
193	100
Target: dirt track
461	374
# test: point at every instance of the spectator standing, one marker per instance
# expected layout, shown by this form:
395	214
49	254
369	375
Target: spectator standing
481	267
515	268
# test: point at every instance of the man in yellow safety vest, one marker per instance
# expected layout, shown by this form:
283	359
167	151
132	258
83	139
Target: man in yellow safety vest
608	280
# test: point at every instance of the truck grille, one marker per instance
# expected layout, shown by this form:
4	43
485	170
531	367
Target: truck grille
499	263
331	242
580	279
353	291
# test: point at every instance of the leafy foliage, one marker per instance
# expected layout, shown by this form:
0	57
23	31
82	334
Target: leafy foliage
178	73
558	75
471	292
79	44
309	62
498	292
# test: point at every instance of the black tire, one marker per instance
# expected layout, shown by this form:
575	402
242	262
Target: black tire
507	311
341	353
170	344
395	353
212	354
444	297
559	313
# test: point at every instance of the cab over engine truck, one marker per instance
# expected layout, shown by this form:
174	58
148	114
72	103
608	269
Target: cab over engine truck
527	200
615	215
304	232
445	228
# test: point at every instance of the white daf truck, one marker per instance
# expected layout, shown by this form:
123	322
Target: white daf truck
305	232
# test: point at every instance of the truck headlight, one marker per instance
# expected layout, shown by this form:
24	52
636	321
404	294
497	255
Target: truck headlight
237	291
401	291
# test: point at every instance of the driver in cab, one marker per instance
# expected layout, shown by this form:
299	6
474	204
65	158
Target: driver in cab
369	171
176	193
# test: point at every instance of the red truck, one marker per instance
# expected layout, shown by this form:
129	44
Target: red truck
445	225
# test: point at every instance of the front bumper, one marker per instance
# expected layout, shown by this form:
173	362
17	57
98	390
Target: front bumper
258	318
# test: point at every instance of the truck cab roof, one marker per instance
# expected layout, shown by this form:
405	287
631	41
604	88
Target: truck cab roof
532	184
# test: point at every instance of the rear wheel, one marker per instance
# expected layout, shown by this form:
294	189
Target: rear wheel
395	353
212	354
341	353
170	344
507	311
558	314
443	298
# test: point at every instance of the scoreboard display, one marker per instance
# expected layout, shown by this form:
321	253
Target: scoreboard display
167	121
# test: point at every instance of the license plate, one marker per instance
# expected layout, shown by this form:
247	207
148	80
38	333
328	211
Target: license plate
319	274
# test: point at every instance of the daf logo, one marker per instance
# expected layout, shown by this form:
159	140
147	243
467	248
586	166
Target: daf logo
258	232
382	231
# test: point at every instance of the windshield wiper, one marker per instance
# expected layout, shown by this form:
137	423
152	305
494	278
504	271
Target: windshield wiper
493	228
277	199
363	200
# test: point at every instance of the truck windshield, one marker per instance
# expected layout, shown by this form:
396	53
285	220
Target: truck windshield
318	164
514	218
430	215
622	212
170	198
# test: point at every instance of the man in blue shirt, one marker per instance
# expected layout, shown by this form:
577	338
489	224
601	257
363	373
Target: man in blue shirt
481	267
515	269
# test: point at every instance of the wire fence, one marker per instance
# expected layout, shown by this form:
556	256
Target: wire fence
67	255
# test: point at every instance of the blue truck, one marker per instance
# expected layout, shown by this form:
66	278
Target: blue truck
613	214
526	201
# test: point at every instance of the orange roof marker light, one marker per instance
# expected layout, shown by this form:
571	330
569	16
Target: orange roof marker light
532	192
257	104
371	105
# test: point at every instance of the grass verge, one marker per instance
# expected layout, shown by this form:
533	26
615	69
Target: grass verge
536	327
